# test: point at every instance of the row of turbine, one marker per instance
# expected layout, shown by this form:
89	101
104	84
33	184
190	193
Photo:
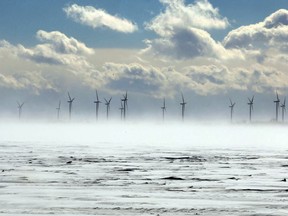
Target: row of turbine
124	107
251	102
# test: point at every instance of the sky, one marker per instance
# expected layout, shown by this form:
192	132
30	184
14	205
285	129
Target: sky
211	50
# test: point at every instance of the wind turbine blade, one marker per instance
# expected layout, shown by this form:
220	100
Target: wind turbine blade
97	96
277	96
18	103
110	100
230	101
252	98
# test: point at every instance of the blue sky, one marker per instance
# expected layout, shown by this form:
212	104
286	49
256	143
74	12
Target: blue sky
208	49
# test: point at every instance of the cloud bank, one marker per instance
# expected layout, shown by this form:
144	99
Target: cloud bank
183	57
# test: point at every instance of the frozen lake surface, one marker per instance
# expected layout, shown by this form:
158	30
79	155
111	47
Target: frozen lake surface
149	169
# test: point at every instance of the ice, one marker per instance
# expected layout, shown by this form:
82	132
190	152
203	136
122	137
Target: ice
143	169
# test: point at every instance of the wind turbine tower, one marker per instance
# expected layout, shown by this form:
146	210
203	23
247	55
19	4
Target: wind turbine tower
231	109
58	110
283	106
107	106
20	109
183	104
250	103
70	101
97	102
163	109
125	104
121	109
277	102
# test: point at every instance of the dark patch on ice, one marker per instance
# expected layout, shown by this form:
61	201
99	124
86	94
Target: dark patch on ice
257	190
70	173
284	180
69	162
234	178
285	165
251	158
186	158
175	190
203	179
173	178
53	182
127	169
95	160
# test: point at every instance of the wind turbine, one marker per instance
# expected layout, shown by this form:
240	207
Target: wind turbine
125	104
283	106
58	109
231	109
107	106
70	101
121	109
20	108
183	106
163	109
250	103
97	102
277	102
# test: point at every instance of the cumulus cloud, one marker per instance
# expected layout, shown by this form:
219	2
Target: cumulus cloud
201	15
56	49
182	30
272	32
186	43
95	18
135	77
63	44
53	64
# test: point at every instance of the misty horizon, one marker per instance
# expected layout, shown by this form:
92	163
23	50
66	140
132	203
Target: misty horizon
200	109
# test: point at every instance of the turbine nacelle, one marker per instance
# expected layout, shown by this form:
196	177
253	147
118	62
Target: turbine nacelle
70	99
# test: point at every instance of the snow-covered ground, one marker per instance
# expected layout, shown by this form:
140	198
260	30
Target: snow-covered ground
143	169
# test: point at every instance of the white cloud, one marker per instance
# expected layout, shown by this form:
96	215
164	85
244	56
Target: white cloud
135	77
187	43
63	44
272	32
201	15
96	18
181	30
54	64
57	49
